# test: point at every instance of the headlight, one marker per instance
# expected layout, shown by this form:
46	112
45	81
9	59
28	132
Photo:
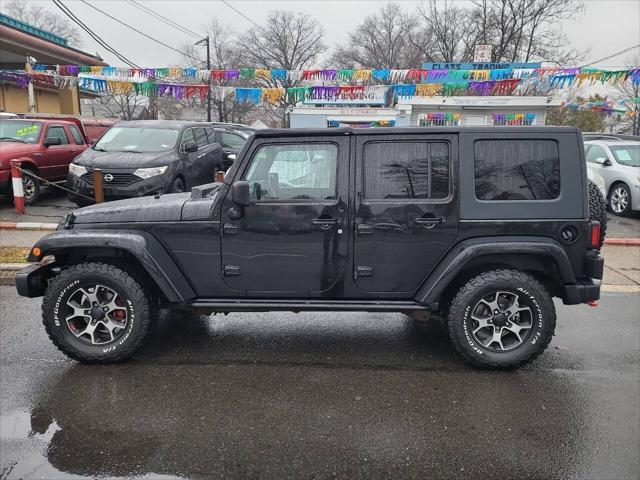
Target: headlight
77	170
149	172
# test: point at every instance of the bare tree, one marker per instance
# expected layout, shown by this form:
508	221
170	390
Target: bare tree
629	95
40	17
382	41
526	30
287	41
126	105
447	34
224	54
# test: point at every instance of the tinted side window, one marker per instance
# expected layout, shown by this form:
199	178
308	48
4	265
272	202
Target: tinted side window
201	137
595	151
406	170
517	169
77	136
293	172
231	140
187	136
211	135
58	132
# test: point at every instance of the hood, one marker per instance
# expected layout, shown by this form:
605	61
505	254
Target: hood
95	158
165	208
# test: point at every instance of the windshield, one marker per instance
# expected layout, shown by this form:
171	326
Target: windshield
137	139
628	155
21	131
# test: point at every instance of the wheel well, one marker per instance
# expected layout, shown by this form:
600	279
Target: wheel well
617	182
113	256
541	267
27	165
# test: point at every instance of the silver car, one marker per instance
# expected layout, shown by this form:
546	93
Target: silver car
618	162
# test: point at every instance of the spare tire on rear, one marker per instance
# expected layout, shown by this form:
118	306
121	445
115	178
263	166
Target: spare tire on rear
597	209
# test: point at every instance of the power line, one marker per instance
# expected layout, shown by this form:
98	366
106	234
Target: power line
612	55
140	32
90	32
164	19
239	12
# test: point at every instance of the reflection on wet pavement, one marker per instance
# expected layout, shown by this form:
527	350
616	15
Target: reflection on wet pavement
321	396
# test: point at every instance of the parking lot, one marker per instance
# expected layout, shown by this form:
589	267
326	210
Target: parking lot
321	395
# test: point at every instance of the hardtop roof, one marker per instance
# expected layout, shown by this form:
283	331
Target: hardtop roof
300	132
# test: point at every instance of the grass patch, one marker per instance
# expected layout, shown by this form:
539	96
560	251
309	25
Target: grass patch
14	254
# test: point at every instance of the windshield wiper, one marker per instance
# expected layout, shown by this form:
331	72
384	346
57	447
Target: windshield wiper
12	139
99	149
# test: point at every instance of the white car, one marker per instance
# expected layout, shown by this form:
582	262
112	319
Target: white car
618	163
598	180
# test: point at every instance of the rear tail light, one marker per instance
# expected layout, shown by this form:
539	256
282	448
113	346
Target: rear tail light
594	235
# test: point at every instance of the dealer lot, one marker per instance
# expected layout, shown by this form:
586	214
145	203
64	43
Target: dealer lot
326	395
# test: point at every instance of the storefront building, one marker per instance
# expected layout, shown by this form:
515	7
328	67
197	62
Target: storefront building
477	111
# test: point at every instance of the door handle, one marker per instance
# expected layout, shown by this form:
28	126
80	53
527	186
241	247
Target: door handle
326	223
364	229
430	222
230	229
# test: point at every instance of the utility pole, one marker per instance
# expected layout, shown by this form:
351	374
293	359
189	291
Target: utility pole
205	41
30	92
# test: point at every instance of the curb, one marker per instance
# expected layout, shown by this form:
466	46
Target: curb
8	273
28	226
635	242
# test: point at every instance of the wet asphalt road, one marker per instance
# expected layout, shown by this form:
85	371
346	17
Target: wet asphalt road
320	396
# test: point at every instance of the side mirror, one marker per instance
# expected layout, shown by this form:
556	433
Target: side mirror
190	147
231	156
603	161
240	193
52	141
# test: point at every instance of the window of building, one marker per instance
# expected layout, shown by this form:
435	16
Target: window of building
396	170
58	132
77	136
517	170
513	119
293	172
440	119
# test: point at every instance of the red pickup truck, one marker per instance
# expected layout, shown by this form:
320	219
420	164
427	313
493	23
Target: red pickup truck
45	146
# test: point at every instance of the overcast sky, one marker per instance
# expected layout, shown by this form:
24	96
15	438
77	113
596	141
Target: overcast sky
605	27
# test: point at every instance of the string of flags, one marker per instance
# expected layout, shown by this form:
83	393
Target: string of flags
154	82
559	76
604	107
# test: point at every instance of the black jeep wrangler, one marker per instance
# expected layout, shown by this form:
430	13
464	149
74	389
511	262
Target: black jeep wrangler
479	226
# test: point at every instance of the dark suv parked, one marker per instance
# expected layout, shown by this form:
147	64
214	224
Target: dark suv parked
480	226
147	157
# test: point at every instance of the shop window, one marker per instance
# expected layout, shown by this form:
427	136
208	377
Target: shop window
401	170
440	119
517	170
513	119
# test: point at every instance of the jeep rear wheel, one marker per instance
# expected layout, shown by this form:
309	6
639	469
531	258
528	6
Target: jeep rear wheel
96	313
501	319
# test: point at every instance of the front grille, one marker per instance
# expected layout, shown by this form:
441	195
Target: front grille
119	179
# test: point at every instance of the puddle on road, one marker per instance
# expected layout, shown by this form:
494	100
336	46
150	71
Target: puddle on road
26	441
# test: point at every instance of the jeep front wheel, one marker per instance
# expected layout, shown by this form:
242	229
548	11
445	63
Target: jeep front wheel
501	319
96	313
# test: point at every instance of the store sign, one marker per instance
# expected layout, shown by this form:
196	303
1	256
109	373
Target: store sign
482	53
370	96
478	66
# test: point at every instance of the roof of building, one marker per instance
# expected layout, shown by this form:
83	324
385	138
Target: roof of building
19	40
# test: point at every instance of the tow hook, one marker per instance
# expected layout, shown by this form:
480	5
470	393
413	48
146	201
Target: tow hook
592	303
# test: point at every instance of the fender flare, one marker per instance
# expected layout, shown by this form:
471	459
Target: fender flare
456	259
153	257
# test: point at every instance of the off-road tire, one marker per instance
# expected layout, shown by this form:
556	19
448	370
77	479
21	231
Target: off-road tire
140	308
598	209
523	284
